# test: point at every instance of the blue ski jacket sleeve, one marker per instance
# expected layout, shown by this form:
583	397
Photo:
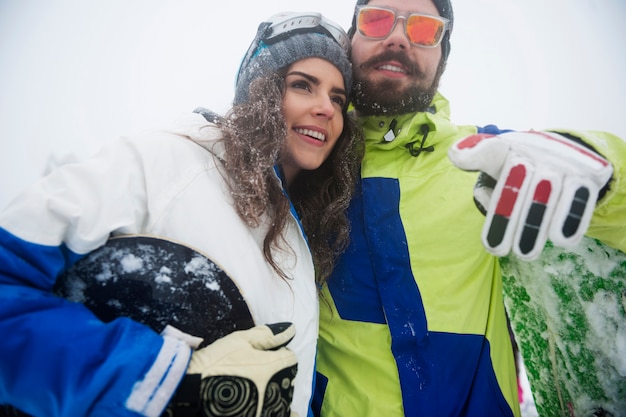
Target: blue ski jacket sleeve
57	358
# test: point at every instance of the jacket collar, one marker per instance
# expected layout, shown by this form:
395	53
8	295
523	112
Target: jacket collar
196	128
389	132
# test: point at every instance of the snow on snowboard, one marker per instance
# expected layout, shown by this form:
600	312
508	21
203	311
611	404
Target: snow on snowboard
568	313
157	282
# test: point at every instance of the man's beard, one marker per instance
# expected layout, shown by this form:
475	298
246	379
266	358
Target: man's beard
385	97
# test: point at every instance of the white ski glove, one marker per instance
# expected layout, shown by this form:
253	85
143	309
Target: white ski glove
534	186
246	373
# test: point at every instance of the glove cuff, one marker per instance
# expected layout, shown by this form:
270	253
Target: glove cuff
605	189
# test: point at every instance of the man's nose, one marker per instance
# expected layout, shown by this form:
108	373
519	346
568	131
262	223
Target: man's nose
398	39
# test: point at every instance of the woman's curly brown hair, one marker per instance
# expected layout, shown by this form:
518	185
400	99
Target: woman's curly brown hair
254	133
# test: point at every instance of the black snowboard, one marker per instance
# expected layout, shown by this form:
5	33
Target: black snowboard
157	282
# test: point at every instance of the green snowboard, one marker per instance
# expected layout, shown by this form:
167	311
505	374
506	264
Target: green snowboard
568	313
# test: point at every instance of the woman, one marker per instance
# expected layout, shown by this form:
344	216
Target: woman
245	190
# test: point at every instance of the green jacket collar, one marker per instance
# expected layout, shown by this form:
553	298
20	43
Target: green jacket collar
389	132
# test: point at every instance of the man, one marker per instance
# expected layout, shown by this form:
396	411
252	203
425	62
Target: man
412	320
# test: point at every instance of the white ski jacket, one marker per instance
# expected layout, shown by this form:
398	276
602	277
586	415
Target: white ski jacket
56	359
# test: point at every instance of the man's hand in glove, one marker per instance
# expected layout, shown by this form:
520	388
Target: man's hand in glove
533	186
247	373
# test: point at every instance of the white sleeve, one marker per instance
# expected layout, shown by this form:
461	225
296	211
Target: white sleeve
81	204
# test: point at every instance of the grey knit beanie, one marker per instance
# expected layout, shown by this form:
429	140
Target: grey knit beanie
445	10
289	37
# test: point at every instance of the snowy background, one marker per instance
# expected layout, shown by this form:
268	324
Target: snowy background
75	73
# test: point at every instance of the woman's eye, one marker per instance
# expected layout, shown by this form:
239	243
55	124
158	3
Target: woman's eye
341	101
301	84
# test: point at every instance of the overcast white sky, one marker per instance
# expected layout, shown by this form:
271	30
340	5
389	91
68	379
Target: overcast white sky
75	73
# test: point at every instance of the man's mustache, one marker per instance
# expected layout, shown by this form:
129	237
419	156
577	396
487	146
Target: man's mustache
409	66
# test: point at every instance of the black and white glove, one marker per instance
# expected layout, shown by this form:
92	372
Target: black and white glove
246	373
533	186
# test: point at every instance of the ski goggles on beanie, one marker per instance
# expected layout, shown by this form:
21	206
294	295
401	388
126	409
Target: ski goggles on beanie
289	37
421	29
285	24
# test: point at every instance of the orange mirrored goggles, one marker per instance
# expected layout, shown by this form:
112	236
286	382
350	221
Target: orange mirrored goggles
421	29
